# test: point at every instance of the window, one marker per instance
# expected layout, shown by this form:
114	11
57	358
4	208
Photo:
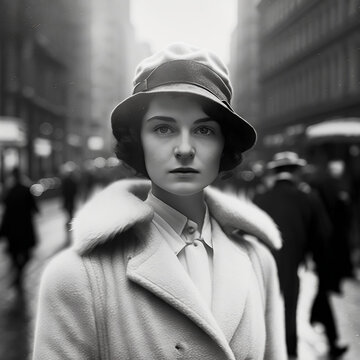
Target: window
353	65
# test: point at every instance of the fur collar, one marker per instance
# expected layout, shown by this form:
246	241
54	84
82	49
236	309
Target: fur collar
120	206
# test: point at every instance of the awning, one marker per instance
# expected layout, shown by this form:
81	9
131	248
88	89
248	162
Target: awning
342	130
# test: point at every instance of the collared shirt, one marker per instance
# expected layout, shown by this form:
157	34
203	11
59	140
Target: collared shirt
188	243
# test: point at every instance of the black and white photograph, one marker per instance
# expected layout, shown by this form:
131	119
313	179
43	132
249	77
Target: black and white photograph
180	179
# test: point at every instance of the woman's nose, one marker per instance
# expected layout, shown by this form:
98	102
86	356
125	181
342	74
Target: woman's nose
184	149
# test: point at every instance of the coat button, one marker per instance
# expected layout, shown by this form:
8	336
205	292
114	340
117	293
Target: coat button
180	347
191	230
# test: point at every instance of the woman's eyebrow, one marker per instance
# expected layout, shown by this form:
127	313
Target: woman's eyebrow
163	118
205	119
170	119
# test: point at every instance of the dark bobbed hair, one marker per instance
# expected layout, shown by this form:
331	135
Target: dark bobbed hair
128	147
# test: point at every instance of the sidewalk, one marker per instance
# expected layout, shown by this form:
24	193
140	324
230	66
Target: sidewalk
312	341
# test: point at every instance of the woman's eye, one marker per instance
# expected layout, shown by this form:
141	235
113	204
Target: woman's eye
163	130
204	130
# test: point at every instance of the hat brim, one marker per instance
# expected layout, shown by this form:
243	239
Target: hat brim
281	163
124	114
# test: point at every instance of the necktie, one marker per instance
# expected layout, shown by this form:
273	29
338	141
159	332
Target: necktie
198	264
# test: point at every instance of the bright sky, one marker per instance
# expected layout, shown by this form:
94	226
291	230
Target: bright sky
205	23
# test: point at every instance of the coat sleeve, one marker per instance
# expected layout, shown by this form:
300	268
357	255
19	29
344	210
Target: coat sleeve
274	306
65	324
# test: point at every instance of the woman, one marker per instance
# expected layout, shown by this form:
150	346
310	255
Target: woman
157	269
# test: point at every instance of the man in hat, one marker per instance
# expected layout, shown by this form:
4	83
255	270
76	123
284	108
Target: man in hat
304	226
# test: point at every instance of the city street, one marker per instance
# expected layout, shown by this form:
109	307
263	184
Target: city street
263	93
17	311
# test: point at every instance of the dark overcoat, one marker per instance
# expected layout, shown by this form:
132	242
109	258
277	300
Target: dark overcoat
305	228
17	223
303	224
336	197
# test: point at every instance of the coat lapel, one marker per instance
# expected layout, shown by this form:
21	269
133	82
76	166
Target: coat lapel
157	269
231	281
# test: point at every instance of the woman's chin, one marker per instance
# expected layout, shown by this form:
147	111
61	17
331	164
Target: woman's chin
185	189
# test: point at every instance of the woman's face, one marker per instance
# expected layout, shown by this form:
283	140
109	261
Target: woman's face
182	145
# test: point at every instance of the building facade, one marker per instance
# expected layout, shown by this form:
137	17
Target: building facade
64	65
113	46
308	87
44	89
309	67
244	64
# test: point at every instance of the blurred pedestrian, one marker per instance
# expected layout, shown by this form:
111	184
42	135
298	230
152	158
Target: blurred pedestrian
335	192
304	226
69	190
261	181
88	180
18	224
156	271
337	252
322	312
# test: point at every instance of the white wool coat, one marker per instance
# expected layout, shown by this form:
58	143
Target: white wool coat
119	292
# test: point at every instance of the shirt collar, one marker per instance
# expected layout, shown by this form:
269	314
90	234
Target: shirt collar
177	220
173	217
206	229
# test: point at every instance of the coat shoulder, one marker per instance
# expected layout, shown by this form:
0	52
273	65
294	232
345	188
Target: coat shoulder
64	275
234	213
66	310
256	248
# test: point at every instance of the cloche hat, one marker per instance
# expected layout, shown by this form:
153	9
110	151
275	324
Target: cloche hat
286	158
182	68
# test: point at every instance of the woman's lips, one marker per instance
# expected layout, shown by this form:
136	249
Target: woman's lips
184	170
